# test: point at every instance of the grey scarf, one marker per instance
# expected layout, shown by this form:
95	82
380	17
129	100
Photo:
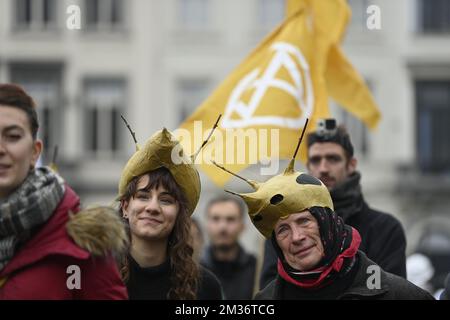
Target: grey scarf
28	207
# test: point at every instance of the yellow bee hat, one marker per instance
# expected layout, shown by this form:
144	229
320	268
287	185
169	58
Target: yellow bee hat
163	150
282	195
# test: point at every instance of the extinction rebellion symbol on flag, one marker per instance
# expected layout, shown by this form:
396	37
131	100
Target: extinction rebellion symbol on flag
299	87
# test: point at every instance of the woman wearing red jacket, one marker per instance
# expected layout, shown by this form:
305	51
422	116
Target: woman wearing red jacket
47	250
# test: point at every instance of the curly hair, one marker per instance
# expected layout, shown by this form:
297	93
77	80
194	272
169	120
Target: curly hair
185	271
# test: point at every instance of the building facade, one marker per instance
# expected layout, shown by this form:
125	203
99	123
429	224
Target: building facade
154	61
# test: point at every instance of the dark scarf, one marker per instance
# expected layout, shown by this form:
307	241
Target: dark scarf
340	243
28	207
347	197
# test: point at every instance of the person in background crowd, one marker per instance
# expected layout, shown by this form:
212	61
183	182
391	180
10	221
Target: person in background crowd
198	239
225	257
420	271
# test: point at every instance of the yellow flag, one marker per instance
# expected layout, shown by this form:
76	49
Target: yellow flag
269	95
344	84
265	101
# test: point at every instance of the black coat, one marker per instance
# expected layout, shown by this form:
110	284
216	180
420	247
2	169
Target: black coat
236	277
391	287
382	239
153	283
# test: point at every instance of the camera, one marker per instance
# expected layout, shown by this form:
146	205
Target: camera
326	127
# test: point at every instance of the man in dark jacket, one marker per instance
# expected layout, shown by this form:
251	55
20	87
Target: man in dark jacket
234	267
331	159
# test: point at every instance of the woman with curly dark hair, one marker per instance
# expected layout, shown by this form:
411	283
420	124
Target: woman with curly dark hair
157	205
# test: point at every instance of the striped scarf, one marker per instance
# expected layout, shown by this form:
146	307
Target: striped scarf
27	208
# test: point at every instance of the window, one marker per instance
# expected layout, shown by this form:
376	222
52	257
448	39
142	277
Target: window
433	130
359	133
359	14
104	103
270	13
357	130
35	14
434	16
104	14
193	14
191	93
43	84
